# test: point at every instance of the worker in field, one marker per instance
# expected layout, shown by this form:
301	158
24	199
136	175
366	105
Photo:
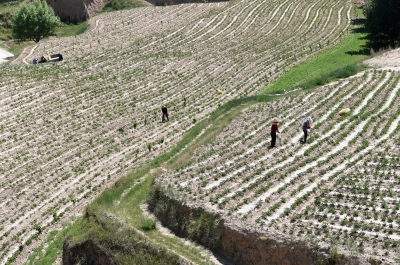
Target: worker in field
164	113
274	130
306	126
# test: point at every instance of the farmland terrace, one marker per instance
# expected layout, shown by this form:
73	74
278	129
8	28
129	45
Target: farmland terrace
340	188
71	129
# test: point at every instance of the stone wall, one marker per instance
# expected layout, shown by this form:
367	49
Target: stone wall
75	10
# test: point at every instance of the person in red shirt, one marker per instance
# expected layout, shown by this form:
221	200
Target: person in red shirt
274	130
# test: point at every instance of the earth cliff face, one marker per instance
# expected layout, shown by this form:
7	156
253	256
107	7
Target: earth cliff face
239	243
178	2
85	253
75	10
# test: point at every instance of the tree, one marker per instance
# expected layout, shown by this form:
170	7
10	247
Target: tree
383	22
34	22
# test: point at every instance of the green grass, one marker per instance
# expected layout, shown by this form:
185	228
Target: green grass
9	7
113	5
148	224
6	13
15	48
67	30
325	66
53	250
126	244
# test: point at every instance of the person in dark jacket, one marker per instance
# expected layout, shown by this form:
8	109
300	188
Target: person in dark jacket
306	126
164	113
274	130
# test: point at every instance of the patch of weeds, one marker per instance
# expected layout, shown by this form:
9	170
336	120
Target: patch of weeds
148	224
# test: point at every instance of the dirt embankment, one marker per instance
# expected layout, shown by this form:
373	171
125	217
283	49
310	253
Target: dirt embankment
179	2
85	253
238	243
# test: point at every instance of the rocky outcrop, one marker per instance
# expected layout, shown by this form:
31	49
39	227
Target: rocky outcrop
87	253
75	10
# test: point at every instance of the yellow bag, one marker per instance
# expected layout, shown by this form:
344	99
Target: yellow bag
343	112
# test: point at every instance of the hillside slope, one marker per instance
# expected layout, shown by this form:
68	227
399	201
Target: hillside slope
71	129
339	189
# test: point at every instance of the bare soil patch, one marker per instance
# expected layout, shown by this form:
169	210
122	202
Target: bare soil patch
388	60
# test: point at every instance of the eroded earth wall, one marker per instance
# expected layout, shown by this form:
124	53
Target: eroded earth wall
178	2
85	253
239	243
75	10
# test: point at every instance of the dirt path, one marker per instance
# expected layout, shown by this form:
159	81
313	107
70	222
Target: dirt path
216	260
5	56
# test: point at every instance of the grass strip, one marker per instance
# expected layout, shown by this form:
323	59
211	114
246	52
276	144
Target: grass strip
114	5
340	61
54	244
67	30
124	198
127	246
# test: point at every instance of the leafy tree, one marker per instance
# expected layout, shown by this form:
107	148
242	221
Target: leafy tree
383	22
34	22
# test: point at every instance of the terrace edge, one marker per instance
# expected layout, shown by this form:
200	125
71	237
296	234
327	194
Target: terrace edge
236	241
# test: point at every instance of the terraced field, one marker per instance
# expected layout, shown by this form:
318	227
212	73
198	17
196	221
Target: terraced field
71	129
340	188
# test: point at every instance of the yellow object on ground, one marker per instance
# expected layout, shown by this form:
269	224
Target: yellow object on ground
219	91
343	112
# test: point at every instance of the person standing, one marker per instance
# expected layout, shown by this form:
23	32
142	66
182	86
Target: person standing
274	130
306	126
164	113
